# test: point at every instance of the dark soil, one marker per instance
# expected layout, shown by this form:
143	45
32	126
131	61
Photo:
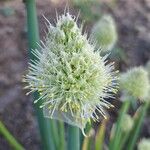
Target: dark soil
16	110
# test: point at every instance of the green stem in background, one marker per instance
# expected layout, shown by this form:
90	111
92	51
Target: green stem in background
88	142
61	131
83	139
122	142
73	138
45	131
54	129
33	35
99	140
10	138
137	126
118	133
85	144
114	143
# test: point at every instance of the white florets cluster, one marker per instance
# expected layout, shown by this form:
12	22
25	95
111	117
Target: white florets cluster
70	75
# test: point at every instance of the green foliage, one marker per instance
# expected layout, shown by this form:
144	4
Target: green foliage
137	126
33	38
88	141
10	138
99	140
73	138
117	137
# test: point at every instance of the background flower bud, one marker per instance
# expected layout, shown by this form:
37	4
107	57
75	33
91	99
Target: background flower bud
127	123
135	82
144	144
104	33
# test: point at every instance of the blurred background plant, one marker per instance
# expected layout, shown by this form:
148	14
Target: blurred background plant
88	8
128	47
104	33
144	144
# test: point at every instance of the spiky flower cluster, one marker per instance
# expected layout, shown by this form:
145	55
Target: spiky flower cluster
104	33
71	77
144	144
135	82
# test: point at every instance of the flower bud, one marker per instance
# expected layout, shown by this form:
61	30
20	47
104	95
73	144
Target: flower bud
144	144
127	119
104	33
135	82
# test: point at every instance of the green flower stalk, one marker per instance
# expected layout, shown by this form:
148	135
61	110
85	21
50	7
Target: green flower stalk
135	82
144	144
105	33
72	78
